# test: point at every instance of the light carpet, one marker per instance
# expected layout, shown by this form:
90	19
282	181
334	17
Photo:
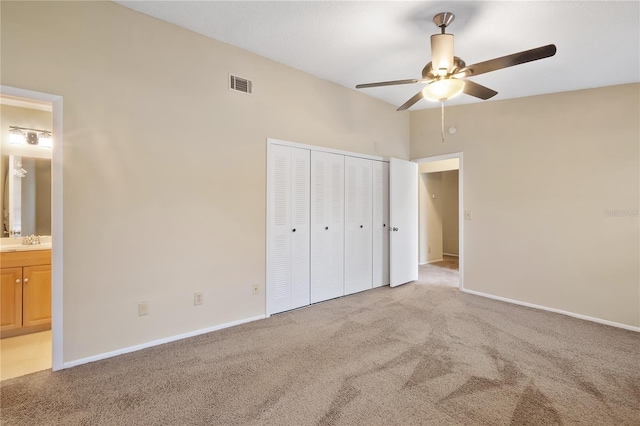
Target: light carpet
419	354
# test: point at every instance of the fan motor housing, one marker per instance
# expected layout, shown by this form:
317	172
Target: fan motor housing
427	71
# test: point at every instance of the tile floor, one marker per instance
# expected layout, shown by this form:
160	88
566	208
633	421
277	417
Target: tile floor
25	354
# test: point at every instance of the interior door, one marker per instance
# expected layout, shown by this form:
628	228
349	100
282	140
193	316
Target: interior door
288	228
380	223
327	226
301	232
403	218
358	243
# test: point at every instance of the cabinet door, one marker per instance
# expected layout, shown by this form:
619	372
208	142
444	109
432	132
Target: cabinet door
288	228
380	223
327	226
11	298
358	231
36	292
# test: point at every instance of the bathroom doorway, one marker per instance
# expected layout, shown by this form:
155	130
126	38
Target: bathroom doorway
31	172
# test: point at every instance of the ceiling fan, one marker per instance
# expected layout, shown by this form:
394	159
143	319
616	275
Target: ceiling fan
446	74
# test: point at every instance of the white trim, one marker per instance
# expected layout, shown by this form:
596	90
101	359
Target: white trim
162	341
450	254
323	149
267	217
56	215
554	310
438	158
25	103
459	156
434	261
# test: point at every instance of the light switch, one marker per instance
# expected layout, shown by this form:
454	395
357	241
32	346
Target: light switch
467	215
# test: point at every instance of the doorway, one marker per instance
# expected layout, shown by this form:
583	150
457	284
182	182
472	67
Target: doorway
44	348
441	220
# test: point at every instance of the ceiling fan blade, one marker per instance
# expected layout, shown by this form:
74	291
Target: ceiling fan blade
478	90
388	83
508	61
410	102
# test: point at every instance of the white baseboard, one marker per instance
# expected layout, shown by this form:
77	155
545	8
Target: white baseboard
554	310
158	342
451	254
435	260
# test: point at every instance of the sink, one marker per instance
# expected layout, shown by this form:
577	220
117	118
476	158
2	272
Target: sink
15	244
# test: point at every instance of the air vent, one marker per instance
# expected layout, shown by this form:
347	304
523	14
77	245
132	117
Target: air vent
240	84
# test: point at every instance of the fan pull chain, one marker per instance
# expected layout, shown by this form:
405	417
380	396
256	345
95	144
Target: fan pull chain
442	122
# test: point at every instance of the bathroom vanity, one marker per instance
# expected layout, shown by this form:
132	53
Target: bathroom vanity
25	294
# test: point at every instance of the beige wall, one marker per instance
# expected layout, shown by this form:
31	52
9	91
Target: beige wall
430	241
450	216
438	220
154	140
540	174
439	166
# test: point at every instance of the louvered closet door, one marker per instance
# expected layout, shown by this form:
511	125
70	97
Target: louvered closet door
380	223
288	205
327	226
358	229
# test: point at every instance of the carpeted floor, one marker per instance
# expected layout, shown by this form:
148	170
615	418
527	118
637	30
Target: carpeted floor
419	354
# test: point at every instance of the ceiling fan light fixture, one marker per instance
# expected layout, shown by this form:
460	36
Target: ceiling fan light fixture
442	90
442	53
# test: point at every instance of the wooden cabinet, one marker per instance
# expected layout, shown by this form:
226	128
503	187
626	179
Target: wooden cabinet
11	299
25	295
36	295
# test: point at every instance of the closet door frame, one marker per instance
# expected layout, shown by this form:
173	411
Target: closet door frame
270	143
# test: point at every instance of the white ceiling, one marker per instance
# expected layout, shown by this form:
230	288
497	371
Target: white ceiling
351	42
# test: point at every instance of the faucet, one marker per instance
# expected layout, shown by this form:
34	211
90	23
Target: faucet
31	240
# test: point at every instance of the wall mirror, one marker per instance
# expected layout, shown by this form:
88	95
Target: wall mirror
26	195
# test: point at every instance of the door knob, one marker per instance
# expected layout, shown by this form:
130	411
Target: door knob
395	229
18	281
26	280
294	230
360	226
326	227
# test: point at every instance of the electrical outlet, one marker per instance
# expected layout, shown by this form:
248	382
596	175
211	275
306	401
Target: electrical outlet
198	298
143	308
256	289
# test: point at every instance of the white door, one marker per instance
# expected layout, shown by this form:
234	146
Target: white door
327	226
380	223
358	232
288	228
403	212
